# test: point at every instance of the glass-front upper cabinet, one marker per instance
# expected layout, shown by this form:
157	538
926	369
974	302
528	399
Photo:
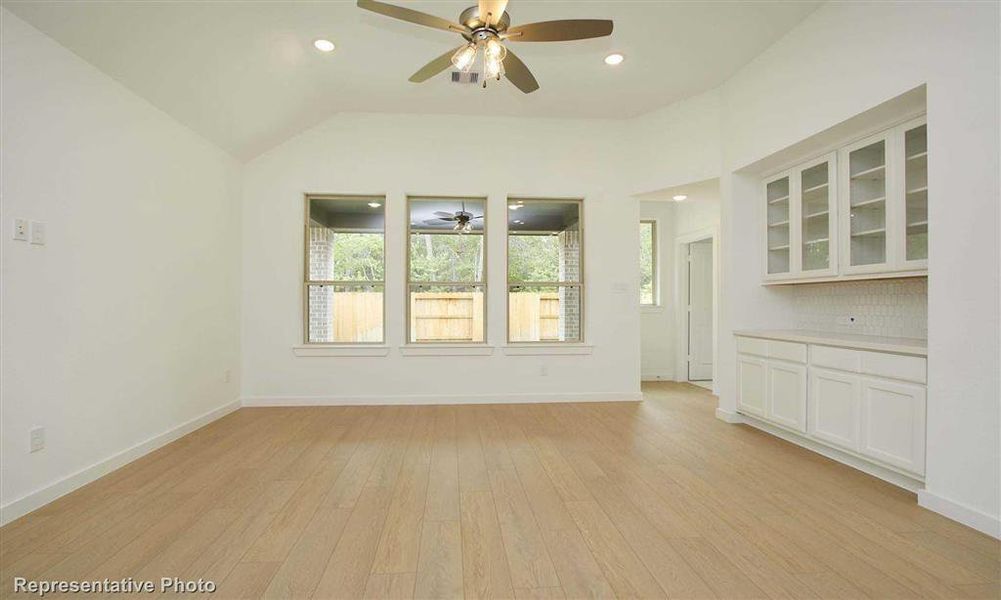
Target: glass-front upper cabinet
885	228
800	209
915	238
817	203
860	212
778	239
866	215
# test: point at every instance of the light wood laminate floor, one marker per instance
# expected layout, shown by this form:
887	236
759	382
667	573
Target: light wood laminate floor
653	499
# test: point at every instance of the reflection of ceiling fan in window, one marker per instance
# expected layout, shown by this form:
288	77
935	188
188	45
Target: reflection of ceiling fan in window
463	220
486	28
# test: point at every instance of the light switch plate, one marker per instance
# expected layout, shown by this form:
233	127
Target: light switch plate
20	232
37	439
38	233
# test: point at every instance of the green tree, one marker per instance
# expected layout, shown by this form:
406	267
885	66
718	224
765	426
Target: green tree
646	263
533	258
358	256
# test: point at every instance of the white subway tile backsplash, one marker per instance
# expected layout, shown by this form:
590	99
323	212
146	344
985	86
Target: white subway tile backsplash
887	307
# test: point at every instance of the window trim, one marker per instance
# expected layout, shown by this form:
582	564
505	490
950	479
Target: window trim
579	283
655	278
408	283
308	197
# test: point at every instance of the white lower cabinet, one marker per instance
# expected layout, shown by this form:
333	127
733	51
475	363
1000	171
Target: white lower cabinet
834	407
786	385
893	423
751	385
871	404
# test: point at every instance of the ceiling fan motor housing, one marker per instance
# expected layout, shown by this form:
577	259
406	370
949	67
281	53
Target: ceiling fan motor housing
480	29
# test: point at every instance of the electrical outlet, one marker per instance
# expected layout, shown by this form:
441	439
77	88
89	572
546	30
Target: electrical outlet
846	320
227	376
20	230
37	436
543	370
38	233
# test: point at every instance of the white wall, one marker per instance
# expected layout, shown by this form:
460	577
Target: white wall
399	155
120	328
677	144
842	60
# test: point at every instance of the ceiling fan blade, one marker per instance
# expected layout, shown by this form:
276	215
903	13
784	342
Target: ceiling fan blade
518	74
479	217
444	215
559	31
434	67
412	16
492	10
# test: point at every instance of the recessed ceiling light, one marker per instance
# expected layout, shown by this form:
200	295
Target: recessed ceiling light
375	204
614	59
519	222
324	45
513	206
680	197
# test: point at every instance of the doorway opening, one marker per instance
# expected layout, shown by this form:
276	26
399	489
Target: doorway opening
700	313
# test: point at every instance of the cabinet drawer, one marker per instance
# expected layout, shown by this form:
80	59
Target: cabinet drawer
790	351
835	358
746	345
895	366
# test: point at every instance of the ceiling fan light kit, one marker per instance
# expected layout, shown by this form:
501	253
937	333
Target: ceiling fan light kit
485	28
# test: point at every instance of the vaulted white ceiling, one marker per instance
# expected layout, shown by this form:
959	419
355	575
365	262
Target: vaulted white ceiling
245	74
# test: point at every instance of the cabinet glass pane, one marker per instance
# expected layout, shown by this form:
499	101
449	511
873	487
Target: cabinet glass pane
816	217
777	194
867	201
916	192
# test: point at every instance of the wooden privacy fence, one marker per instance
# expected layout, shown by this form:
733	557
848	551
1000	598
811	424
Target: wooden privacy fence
451	317
533	316
446	317
357	316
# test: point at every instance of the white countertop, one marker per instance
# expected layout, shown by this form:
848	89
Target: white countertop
913	346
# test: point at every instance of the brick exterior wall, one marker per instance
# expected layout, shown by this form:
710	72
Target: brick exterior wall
570	301
321	298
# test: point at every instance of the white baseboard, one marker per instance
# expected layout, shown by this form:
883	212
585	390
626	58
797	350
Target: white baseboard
34	500
657	376
889	475
427	399
970	517
729	416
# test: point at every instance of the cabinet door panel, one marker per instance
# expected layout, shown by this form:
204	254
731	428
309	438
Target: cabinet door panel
915	211
786	395
779	239
834	407
816	201
893	423
751	384
867	193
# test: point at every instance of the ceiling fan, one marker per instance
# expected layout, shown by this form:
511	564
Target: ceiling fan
463	220
485	28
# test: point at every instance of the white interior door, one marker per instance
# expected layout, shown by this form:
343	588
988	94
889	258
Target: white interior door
700	310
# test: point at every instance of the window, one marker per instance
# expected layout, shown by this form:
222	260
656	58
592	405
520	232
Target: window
446	263
648	263
344	270
544	270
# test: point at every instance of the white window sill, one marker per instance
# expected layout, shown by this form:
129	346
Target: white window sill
341	350
446	350
547	349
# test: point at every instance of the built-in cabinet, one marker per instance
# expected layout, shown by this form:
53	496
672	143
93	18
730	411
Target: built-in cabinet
860	211
801	224
868	404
